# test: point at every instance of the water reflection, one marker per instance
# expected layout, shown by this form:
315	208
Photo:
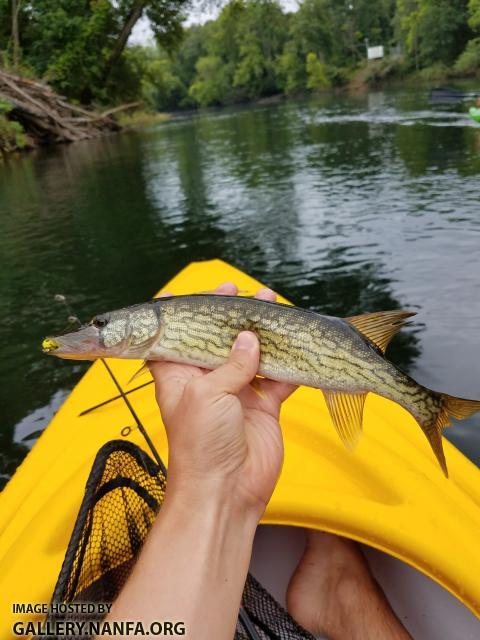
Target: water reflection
343	204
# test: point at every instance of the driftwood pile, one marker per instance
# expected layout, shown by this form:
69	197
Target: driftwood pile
47	117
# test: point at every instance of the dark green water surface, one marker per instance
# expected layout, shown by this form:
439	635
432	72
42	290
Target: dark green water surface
345	205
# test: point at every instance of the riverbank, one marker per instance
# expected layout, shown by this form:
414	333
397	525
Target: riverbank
379	73
305	194
25	125
32	114
142	118
14	139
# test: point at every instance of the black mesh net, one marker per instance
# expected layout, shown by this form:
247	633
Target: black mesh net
269	619
124	491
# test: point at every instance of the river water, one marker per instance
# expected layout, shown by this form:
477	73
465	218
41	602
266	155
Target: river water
344	204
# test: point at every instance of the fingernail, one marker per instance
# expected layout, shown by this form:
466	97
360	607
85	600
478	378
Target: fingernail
245	340
265	290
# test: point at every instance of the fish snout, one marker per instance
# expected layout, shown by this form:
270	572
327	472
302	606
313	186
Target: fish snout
83	344
49	345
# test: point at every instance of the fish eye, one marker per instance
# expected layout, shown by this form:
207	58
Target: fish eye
99	321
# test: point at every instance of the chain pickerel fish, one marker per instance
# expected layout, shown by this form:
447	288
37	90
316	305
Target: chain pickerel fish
342	357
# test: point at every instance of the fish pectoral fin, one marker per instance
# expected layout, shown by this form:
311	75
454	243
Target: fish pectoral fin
257	387
143	369
381	326
346	411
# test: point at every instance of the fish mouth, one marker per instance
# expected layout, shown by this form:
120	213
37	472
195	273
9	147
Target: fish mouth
83	344
49	345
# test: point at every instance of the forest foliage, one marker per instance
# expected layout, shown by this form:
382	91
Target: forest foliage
253	49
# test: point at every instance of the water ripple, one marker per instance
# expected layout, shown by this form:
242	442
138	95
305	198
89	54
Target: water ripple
345	204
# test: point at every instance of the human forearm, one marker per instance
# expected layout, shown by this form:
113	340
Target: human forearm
193	565
225	454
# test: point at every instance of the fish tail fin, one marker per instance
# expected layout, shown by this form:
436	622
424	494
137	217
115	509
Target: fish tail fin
460	408
448	406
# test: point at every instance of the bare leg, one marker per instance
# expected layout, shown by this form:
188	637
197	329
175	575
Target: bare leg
333	593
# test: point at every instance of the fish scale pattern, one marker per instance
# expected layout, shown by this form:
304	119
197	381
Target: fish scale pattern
124	492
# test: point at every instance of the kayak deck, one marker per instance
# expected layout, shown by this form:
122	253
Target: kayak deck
389	493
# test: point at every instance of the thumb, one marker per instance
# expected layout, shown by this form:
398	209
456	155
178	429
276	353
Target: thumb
241	367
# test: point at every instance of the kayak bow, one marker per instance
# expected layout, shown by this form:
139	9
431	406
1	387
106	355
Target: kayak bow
388	494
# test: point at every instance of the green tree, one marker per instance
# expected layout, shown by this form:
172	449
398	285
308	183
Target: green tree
317	27
79	45
151	76
373	20
468	62
11	132
12	18
211	83
292	74
474	15
338	31
311	31
243	46
407	19
433	30
260	38
70	46
193	47
316	74
164	16
252	49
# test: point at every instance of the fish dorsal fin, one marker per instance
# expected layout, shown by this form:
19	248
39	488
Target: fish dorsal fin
381	326
346	411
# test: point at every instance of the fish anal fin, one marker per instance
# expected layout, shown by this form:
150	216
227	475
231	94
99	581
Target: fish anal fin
381	326
346	411
434	437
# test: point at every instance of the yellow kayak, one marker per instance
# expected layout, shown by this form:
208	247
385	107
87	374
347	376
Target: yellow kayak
389	493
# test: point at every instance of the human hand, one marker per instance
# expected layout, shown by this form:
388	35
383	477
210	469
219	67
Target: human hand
223	434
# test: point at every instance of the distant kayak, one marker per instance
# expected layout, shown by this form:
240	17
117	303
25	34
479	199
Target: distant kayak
475	113
450	95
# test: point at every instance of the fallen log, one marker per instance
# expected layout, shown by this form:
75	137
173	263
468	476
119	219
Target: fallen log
122	107
48	117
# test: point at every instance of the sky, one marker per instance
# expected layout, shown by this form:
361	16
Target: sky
142	34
